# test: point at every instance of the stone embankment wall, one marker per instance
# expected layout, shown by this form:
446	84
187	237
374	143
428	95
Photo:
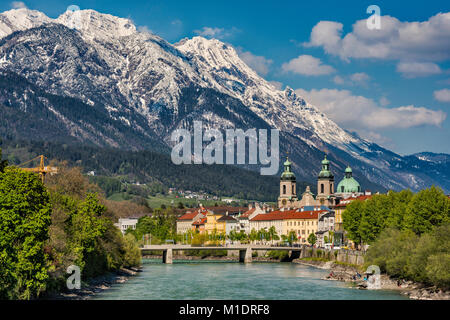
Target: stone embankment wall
342	255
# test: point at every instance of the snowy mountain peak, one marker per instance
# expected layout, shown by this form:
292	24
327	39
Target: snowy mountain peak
215	53
21	19
96	24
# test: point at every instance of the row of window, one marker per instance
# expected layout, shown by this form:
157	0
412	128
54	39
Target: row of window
294	223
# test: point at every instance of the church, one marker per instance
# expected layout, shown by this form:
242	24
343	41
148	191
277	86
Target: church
327	195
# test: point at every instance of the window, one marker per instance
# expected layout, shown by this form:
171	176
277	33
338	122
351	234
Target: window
322	187
342	188
284	189
293	190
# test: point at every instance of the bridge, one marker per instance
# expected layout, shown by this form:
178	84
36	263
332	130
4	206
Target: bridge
245	251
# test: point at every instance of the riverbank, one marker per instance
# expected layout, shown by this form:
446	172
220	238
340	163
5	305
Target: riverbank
96	285
347	273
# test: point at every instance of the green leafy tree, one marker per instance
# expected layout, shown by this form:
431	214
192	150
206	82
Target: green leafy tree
132	253
351	219
374	215
397	211
86	227
428	208
312	239
25	216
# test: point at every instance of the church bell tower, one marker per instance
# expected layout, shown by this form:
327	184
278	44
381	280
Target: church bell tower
325	184
288	187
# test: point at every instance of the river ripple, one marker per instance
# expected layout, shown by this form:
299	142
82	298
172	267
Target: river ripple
198	280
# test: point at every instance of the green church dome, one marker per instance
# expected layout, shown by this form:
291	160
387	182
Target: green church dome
348	184
287	173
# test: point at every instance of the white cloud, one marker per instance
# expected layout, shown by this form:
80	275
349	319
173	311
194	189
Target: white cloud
362	114
307	65
442	95
217	33
18	5
359	78
258	63
338	80
396	40
418	69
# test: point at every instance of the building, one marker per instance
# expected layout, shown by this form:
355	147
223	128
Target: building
327	195
266	221
325	228
244	218
126	223
325	184
199	225
288	188
184	223
213	225
231	224
302	223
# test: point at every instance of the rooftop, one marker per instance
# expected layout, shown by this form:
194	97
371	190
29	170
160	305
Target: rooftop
288	215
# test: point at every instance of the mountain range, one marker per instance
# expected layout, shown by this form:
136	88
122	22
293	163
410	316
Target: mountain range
108	84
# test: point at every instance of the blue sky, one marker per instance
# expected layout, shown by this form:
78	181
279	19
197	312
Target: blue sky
390	85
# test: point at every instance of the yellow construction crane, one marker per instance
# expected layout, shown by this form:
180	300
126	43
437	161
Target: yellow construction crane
42	170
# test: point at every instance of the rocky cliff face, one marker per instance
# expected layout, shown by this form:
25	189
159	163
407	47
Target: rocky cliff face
143	87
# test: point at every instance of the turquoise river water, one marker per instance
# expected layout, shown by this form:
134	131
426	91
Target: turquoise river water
235	281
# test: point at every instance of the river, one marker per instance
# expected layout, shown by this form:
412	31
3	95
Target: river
220	280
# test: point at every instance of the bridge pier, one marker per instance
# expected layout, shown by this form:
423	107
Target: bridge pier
167	256
245	255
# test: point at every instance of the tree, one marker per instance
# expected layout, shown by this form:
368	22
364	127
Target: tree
398	208
312	239
428	208
373	218
25	213
351	220
272	233
132	256
86	226
3	163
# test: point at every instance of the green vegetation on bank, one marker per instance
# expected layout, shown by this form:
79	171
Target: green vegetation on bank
408	234
422	258
46	228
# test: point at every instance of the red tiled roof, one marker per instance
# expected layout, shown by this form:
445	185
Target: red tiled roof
248	213
303	214
288	214
364	197
190	215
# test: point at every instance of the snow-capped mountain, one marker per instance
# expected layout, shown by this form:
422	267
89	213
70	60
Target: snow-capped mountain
140	81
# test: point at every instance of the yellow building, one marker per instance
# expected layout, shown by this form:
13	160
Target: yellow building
213	224
303	223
